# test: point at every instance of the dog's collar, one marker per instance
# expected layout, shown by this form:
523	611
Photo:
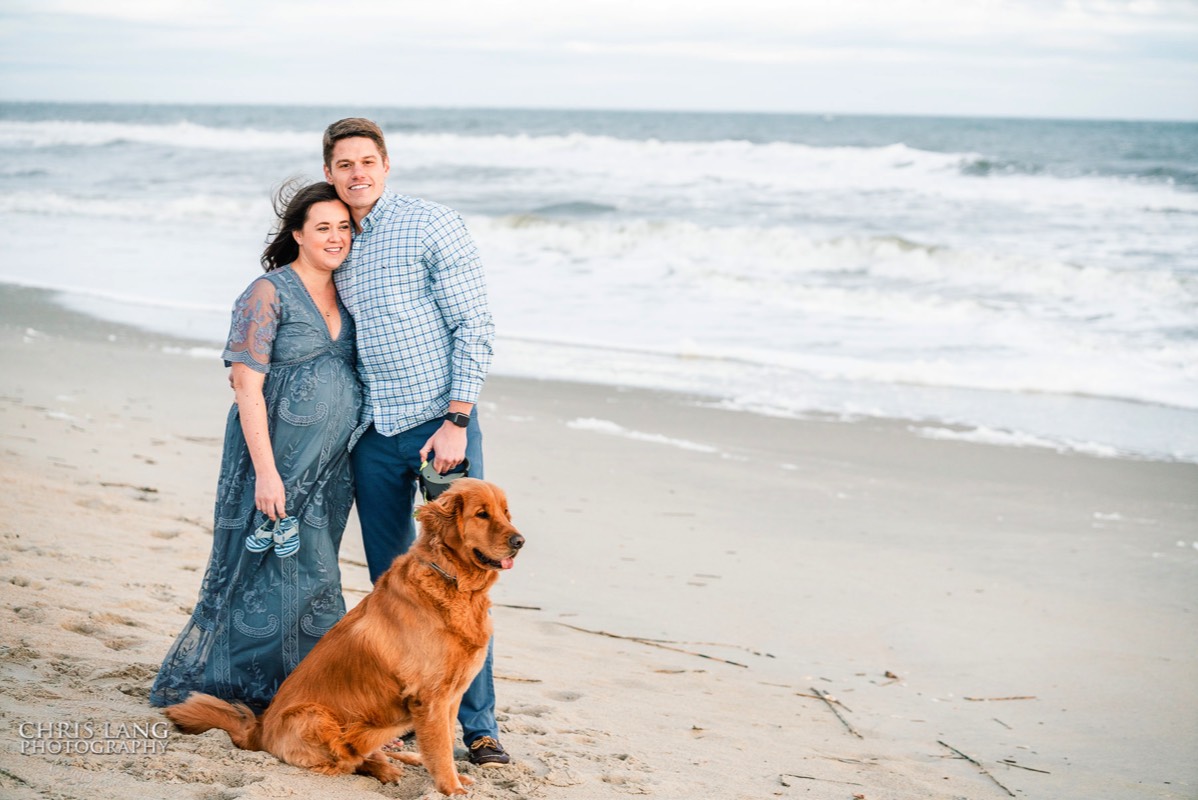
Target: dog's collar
442	572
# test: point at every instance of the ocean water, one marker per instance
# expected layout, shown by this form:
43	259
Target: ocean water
1018	282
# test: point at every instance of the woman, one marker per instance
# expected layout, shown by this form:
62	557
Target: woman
263	603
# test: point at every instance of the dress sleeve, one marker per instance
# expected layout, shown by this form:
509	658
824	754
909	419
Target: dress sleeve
255	323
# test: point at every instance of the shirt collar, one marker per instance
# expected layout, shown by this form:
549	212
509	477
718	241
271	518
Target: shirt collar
386	199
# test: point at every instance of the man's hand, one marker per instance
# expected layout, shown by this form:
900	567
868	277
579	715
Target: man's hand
449	446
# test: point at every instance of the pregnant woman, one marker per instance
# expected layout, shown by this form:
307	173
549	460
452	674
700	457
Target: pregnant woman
273	585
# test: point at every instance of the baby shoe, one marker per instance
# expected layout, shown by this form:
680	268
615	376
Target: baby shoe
287	539
262	539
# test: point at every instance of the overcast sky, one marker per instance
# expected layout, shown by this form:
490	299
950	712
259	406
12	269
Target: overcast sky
1040	58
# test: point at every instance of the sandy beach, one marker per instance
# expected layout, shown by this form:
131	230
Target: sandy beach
711	603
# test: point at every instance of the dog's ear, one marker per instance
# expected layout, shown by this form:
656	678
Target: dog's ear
443	512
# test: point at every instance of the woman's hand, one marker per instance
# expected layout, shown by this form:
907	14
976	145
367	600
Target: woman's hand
269	495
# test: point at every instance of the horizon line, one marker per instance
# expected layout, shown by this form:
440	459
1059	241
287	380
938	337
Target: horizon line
612	109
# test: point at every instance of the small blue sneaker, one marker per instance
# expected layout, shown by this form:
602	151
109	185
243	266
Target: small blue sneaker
286	537
262	539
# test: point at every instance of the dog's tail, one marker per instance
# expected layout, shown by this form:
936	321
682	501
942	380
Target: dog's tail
203	712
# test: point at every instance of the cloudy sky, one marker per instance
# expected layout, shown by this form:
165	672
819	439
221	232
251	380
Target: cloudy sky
1054	58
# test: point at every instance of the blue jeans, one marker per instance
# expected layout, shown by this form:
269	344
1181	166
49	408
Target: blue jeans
385	473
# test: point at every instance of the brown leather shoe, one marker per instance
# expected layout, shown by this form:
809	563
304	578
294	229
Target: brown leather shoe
486	752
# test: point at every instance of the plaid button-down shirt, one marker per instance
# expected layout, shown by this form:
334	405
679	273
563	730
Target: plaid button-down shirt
414	284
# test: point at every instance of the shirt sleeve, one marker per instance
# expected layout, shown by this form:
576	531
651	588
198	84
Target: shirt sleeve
460	290
255	323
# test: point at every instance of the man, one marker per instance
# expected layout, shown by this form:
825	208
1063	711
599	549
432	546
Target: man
414	284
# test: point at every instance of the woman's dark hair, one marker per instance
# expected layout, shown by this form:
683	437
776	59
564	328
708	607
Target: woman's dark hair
291	206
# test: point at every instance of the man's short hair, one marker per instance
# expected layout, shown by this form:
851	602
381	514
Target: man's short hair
348	128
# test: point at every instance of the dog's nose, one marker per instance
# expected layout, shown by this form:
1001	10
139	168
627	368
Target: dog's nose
516	541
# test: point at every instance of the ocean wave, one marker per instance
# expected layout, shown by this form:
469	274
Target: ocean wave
1001	438
650	159
1179	176
610	171
777	264
22	172
894	310
986	167
698	175
567	153
449	147
186	135
577	208
175	208
765	381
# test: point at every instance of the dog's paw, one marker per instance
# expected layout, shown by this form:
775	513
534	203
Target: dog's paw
388	774
458	788
382	770
395	777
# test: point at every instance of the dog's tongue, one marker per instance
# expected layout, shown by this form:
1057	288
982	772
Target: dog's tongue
508	562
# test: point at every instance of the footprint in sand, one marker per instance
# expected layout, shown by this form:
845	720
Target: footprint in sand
528	711
519	720
83	626
195	771
108	618
559	771
121	643
95	627
33	614
625	771
133	680
96	504
137	672
18	654
156	591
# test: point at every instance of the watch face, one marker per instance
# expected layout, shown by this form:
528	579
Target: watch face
461	420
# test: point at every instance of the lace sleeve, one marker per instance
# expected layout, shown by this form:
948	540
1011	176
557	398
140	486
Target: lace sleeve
255	322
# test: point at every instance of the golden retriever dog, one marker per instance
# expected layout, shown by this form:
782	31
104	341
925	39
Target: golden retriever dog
399	661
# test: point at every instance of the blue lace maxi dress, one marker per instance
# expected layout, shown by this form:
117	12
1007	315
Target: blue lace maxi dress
259	614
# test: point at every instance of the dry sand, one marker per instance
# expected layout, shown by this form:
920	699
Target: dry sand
1032	610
